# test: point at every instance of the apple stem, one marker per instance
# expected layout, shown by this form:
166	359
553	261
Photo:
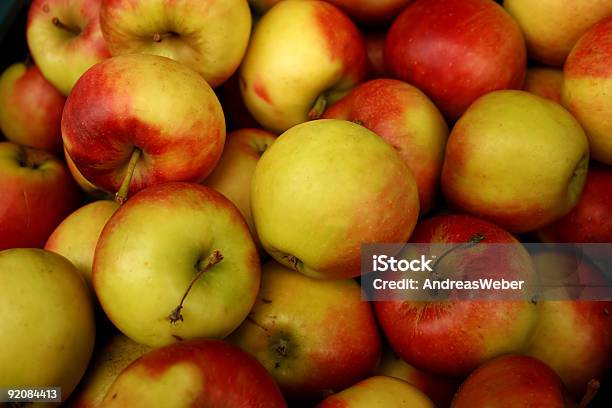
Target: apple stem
318	108
122	194
58	23
592	388
474	239
202	266
157	37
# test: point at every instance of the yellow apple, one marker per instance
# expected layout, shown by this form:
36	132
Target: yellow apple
544	82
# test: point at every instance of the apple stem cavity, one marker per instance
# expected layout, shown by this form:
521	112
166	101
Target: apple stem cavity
318	108
58	23
122	194
592	388
202	267
474	239
158	37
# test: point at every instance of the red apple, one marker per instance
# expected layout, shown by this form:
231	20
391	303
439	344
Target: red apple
405	118
37	194
456	51
371	12
544	82
30	108
375	50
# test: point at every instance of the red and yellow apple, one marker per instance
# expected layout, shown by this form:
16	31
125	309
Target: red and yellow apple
89	189
544	82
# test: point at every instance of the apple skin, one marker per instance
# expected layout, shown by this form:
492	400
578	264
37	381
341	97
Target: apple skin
587	85
375	50
237	116
456	50
30	108
313	211
544	82
143	102
63	54
512	381
153	246
406	119
37	194
294	332
232	176
379	391
552	27
47	306
77	235
108	361
515	159
452	338
314	49
89	189
203	373
210	36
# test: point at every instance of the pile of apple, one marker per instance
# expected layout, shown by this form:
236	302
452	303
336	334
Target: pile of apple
354	121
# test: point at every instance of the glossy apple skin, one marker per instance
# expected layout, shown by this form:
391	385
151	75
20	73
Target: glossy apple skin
294	332
372	12
77	235
149	251
37	194
314	48
452	338
405	118
300	185
142	102
30	108
515	159
379	391
48	308
89	189
544	82
456	51
210	36
552	27
63	56
587	84
512	381
208	373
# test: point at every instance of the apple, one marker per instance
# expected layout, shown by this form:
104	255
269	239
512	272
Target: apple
232	176
379	391
203	373
375	51
552	27
138	120
587	84
176	262
516	159
237	116
30	108
438	388
454	337
303	56
89	189
210	36
405	118
77	235
295	332
323	189
37	194
64	38
456	51
48	321
544	82
115	354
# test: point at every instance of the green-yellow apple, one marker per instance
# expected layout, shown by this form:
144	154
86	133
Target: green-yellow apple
76	237
516	159
107	363
176	262
233	174
552	27
47	318
37	194
544	82
587	85
295	332
138	120
30	108
197	373
64	38
89	189
405	118
302	56
379	391
208	36
325	187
